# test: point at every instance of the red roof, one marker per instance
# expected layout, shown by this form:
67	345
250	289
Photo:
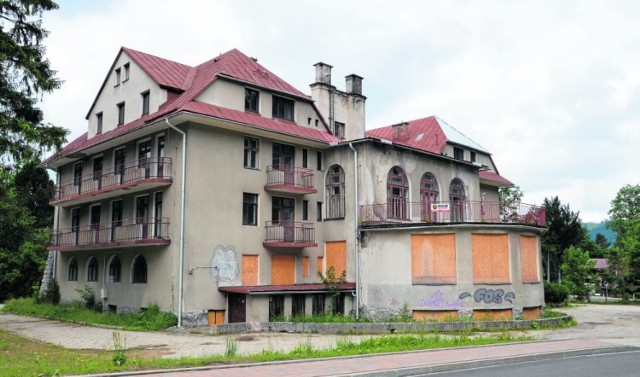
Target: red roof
284	288
423	134
190	82
495	177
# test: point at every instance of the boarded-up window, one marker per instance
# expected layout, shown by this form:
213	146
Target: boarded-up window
490	258
305	267
319	264
283	268
433	258
249	270
336	253
529	259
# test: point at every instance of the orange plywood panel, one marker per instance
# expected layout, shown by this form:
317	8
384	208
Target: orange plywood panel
492	314
215	317
529	259
305	267
434	315
249	269
532	313
490	258
283	269
433	258
336	253
319	264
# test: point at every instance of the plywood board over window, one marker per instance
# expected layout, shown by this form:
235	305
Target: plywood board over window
490	258
305	267
529	264
249	270
433	259
336	253
283	269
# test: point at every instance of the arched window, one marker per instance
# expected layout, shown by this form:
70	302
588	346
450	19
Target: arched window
335	192
114	270
397	194
457	198
73	270
139	273
428	196
92	269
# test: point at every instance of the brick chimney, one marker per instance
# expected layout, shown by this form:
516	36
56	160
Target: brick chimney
323	73
354	84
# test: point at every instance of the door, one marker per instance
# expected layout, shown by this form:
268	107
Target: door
95	223
118	163
282	213
237	308
142	215
75	225
158	215
284	160
97	172
160	157
144	154
77	177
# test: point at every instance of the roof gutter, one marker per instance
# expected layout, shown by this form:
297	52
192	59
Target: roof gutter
356	221
182	195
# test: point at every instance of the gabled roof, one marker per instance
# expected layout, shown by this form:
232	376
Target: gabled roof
429	134
495	177
188	82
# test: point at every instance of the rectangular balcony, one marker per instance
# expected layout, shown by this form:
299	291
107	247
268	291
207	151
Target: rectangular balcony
125	233
399	212
290	180
289	235
143	174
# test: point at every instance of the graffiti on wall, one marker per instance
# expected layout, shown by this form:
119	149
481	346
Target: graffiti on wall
394	302
439	301
489	296
224	265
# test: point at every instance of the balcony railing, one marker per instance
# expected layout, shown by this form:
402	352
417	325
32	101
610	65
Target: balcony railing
451	212
289	234
290	179
141	231
152	170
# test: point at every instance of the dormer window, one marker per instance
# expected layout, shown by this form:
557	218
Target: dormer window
339	130
117	76
99	123
145	102
251	98
126	72
120	113
282	108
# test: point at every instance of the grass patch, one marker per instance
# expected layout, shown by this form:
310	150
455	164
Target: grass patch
20	356
151	319
550	313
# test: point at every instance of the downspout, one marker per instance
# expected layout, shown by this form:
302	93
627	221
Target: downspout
182	195
356	223
57	226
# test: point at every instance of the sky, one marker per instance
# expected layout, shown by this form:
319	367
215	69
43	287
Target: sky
551	88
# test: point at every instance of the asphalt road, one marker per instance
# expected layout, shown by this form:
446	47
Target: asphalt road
626	364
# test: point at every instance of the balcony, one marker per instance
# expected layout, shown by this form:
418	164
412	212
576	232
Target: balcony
400	212
133	176
125	233
290	180
289	235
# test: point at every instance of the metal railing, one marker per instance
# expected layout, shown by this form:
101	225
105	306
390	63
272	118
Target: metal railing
278	175
116	231
451	212
108	179
278	231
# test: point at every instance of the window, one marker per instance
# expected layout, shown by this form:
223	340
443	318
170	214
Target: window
158	215
77	175
319	161
428	196
397	194
337	302
276	307
317	123
335	192
75	223
529	265
114	270
490	258
97	169
251	99
139	275
458	153
92	270
145	102
94	220
339	130
117	72
433	259
319	211
116	218
317	307
118	161
73	270
297	305
251	148
473	156
126	72
305	153
305	210
457	199
282	108
249	209
99	123
120	113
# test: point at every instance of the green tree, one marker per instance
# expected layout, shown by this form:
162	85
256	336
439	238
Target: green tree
510	199
602	241
624	259
576	270
34	189
333	283
25	76
625	208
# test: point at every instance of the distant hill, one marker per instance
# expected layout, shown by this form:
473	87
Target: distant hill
601	227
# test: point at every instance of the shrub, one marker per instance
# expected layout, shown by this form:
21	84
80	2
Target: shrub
51	295
555	293
88	297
